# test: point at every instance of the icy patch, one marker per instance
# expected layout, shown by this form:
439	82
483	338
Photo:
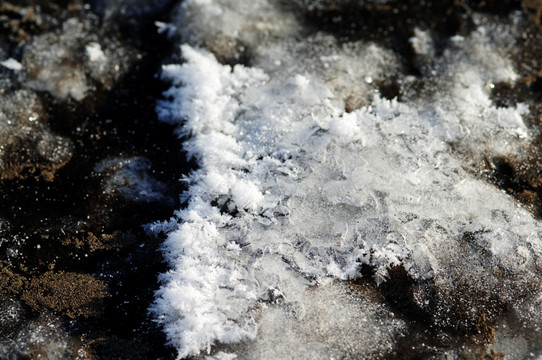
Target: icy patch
221	356
95	52
12	64
39	339
27	145
71	61
315	326
293	191
131	178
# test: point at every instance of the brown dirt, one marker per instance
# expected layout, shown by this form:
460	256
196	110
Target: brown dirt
67	293
533	10
20	20
10	282
91	242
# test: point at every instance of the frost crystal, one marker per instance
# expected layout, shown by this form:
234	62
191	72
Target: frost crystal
294	193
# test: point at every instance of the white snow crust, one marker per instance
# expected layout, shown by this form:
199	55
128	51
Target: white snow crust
293	194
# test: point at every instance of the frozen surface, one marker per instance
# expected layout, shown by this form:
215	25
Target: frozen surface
315	326
131	178
27	145
73	60
66	104
294	192
12	64
39	340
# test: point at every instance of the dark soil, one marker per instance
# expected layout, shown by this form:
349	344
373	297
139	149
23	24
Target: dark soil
71	294
67	247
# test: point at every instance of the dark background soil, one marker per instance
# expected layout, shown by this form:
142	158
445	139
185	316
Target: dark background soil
83	255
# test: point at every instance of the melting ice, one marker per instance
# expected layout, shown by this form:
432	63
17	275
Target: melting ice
294	195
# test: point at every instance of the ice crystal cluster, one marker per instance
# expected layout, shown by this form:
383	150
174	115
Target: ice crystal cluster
294	195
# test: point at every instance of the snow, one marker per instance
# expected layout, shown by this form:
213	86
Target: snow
221	356
12	64
95	52
293	194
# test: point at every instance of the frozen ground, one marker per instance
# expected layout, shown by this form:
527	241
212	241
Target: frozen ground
326	162
83	165
365	179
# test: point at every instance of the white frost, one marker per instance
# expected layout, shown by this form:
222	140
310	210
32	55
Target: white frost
292	191
12	64
95	52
